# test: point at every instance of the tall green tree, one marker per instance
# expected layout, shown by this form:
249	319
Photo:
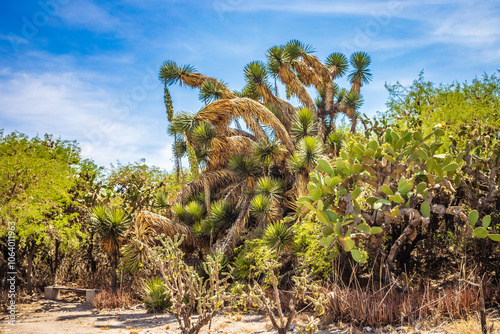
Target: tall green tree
36	176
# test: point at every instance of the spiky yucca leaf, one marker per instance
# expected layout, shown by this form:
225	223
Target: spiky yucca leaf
296	48
202	228
269	187
244	167
337	63
309	150
194	211
179	147
204	133
222	214
269	153
110	224
353	100
296	163
276	57
183	122
360	61
179	212
248	91
211	90
263	209
134	256
279	237
334	142
156	296
171	73
341	95
304	124
161	199
256	73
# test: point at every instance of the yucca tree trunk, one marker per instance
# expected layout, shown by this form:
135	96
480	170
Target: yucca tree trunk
233	233
354	122
114	278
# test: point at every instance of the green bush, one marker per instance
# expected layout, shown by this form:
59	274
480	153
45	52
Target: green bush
307	248
157	298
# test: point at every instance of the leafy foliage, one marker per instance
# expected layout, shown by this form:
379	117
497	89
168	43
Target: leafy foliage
424	104
156	296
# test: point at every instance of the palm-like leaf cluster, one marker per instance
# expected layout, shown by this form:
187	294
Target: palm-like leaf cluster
110	224
249	175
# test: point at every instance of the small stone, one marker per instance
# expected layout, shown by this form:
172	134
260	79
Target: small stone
368	329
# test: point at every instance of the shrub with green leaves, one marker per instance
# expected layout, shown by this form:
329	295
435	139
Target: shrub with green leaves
399	177
310	254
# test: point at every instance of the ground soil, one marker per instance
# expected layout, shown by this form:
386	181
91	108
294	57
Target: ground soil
72	315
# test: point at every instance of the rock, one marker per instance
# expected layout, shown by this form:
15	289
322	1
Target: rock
368	329
292	328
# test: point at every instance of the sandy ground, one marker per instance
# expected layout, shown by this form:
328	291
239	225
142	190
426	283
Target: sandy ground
45	316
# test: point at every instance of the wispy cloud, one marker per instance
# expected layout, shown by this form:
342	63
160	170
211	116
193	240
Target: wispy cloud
321	7
64	105
86	14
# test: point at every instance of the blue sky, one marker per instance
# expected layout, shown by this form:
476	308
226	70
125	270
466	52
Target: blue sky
87	70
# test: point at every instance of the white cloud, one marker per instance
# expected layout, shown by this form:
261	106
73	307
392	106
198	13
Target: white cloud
87	15
323	7
64	105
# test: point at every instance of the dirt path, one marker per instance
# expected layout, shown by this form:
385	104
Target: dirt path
58	316
45	316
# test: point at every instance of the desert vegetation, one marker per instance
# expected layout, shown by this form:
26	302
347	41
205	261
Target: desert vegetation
288	205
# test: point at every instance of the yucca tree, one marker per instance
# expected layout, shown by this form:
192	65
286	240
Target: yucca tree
302	161
110	225
280	63
240	166
361	74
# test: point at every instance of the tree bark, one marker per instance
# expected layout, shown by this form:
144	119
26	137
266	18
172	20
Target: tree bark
237	226
114	265
31	255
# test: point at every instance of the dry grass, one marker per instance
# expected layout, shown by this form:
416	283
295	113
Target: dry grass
107	300
237	316
388	306
471	326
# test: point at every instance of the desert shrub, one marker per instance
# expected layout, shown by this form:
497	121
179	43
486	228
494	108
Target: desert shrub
307	249
109	300
156	298
190	293
399	185
248	257
279	305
